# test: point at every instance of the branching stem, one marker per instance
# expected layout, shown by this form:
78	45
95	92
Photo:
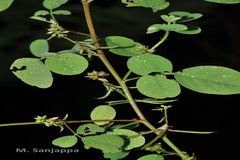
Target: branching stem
121	81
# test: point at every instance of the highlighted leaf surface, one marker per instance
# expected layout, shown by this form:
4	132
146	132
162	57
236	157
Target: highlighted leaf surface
210	80
107	143
67	64
33	72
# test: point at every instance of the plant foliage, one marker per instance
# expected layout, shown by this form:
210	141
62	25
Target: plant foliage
153	76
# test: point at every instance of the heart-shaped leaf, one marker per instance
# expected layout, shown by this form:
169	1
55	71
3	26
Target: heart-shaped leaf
65	141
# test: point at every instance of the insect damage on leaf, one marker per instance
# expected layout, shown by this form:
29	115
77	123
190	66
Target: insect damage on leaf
131	1
15	69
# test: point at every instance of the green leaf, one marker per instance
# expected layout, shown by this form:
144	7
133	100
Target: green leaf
130	143
41	13
5	4
89	129
154	4
158	86
170	19
107	143
224	1
119	41
116	156
166	27
62	12
33	72
147	63
52	4
151	157
65	141
191	30
39	47
39	18
103	112
67	64
124	46
210	80
186	16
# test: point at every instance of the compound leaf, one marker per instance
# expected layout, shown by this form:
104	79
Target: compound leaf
154	4
65	141
52	4
67	64
151	157
107	143
224	1
5	4
33	72
39	47
89	129
103	112
147	63
158	86
210	80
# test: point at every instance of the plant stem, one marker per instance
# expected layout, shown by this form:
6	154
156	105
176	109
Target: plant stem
118	78
161	41
70	129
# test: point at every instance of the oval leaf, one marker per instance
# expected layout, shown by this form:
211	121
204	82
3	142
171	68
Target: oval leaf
65	141
167	27
158	86
154	4
186	16
88	129
33	72
151	157
224	1
39	47
62	12
52	4
5	4
103	112
210	80
107	143
67	64
131	142
147	63
191	30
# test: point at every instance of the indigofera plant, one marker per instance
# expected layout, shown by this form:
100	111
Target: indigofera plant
154	76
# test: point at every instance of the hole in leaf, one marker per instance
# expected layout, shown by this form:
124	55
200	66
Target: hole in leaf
15	69
87	130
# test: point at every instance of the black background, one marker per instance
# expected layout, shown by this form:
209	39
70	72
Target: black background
218	44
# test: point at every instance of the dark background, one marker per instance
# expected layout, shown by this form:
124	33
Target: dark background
218	44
